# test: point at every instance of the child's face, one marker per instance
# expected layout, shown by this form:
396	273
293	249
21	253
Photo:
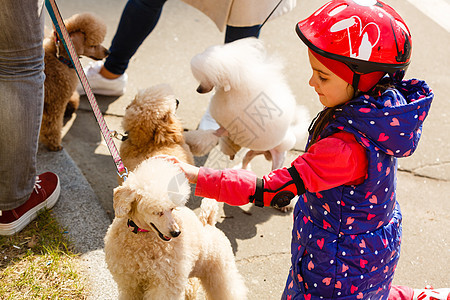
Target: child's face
332	89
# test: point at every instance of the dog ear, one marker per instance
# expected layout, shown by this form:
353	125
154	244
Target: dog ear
123	198
78	41
169	131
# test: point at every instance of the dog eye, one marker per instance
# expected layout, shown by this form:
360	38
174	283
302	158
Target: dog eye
160	214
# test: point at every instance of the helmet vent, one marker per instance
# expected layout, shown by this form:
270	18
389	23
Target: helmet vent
321	9
337	10
402	26
365	2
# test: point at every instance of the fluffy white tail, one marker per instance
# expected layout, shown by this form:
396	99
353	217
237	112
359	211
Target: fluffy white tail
209	211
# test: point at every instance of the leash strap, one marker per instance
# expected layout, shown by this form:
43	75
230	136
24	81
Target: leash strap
271	13
55	15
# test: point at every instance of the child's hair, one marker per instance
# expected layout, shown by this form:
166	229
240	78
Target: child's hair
324	117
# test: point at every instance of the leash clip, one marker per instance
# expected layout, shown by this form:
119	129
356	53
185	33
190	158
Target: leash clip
119	136
124	175
57	48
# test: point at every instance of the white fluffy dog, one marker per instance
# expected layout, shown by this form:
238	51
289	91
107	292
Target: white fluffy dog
252	102
169	247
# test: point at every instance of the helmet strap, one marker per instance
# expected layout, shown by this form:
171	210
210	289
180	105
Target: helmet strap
397	77
355	81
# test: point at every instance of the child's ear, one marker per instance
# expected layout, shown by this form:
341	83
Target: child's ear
123	199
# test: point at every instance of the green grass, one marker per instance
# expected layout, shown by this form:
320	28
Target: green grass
39	263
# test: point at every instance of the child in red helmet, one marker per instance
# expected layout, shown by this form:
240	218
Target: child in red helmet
347	222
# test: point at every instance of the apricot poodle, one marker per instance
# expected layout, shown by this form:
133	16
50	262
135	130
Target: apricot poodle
153	128
157	248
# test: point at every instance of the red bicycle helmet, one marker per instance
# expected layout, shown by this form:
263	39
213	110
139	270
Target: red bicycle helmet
358	40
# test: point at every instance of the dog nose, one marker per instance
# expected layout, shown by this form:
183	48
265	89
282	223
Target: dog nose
107	52
175	233
200	89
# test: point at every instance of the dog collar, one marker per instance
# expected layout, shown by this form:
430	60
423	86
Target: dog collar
66	61
134	228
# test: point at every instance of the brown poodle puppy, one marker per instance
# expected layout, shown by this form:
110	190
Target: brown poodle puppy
153	128
87	33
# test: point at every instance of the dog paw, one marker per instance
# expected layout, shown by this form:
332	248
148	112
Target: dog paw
70	110
201	142
54	148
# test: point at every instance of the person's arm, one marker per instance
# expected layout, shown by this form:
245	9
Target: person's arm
239	187
330	162
232	186
333	161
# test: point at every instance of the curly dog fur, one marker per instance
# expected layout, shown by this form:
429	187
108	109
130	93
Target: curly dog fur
87	33
153	128
177	249
252	101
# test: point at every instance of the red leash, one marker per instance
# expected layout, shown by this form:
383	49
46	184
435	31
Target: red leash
55	15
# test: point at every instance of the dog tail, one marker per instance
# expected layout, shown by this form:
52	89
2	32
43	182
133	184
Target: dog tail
300	126
209	211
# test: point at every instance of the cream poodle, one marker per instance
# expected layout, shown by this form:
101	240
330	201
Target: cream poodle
87	33
252	102
153	128
156	246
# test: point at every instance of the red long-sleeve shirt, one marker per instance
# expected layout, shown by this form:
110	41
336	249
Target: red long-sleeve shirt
333	161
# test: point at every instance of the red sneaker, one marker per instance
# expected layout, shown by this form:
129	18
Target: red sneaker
45	194
430	293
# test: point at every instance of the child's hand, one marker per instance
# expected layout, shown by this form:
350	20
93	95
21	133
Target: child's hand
190	171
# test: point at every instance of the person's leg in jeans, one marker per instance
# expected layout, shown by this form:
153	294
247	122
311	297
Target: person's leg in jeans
21	101
234	33
21	98
138	20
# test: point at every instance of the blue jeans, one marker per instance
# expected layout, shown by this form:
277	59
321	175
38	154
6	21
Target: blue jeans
21	97
138	20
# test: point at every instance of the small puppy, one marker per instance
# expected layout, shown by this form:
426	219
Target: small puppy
87	33
252	102
156	248
153	128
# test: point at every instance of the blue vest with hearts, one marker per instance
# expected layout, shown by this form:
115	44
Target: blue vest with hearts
346	240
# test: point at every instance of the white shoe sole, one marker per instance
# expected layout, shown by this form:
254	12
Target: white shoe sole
23	221
102	92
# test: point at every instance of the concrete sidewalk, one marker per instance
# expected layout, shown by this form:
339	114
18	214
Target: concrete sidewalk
260	237
80	213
